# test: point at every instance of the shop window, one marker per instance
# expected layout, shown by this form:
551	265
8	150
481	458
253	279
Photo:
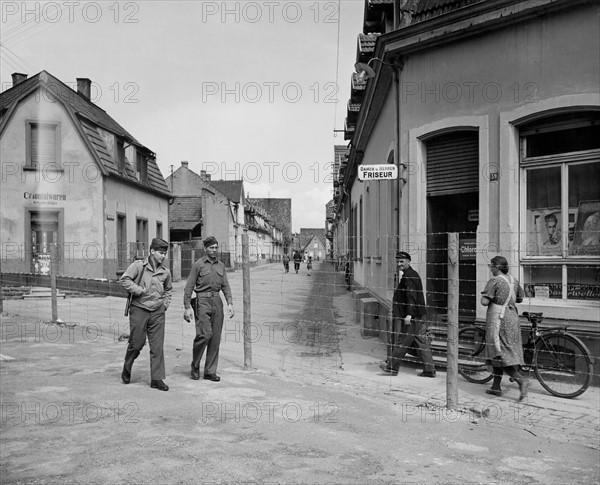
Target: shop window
42	145
560	160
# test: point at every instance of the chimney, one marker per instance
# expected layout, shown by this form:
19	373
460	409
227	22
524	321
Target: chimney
208	177
18	78
203	174
184	164
84	87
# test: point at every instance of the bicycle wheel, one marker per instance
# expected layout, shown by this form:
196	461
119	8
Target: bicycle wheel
471	355
562	364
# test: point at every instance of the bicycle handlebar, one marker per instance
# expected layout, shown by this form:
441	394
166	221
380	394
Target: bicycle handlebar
534	317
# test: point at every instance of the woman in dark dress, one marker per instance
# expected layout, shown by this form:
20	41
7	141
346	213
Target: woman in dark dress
504	347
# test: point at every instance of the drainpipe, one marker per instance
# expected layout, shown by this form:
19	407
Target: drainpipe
398	65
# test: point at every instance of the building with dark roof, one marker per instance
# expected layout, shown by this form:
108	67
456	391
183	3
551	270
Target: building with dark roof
75	177
218	215
279	212
490	111
185	218
204	207
312	242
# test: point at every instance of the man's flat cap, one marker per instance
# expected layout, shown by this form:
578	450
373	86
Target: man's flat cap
402	255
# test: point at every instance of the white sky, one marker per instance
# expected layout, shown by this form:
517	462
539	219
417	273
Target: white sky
241	89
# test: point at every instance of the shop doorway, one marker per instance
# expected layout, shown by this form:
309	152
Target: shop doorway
452	213
44	231
452	206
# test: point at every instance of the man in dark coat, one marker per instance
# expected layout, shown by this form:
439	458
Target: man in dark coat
408	309
297	260
149	283
286	262
207	278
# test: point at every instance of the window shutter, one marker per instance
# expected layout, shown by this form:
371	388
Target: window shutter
43	144
453	163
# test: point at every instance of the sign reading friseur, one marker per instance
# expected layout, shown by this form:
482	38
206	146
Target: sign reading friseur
377	172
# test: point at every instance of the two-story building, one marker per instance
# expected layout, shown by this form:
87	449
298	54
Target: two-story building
204	207
490	109
72	176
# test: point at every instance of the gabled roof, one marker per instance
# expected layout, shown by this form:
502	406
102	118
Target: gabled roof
307	235
88	119
80	105
185	213
232	189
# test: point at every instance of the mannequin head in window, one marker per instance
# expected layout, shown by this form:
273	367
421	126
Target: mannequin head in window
552	227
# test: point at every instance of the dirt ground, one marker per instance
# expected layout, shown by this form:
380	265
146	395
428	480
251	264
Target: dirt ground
313	409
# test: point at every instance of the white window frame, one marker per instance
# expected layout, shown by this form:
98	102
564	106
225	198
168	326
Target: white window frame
563	160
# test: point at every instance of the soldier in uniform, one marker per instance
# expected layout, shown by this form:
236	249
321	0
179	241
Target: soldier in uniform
207	278
149	283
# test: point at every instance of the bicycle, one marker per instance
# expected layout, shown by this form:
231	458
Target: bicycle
561	362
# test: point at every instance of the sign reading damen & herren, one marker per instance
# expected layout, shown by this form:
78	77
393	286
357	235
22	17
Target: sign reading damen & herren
377	172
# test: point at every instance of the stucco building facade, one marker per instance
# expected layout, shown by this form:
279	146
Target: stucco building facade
491	111
72	176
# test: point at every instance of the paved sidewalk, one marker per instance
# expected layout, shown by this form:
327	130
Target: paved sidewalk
314	407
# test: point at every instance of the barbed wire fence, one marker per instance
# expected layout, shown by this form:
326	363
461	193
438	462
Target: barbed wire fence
351	292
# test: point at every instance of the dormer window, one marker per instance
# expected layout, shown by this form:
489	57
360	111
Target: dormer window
120	155
141	168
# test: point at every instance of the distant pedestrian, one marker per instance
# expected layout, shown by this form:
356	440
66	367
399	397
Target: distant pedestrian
149	283
309	265
348	273
207	278
297	261
408	312
504	346
286	262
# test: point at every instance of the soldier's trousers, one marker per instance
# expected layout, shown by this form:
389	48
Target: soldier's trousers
209	326
144	323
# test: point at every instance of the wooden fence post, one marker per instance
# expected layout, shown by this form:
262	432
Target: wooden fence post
452	348
53	266
247	305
